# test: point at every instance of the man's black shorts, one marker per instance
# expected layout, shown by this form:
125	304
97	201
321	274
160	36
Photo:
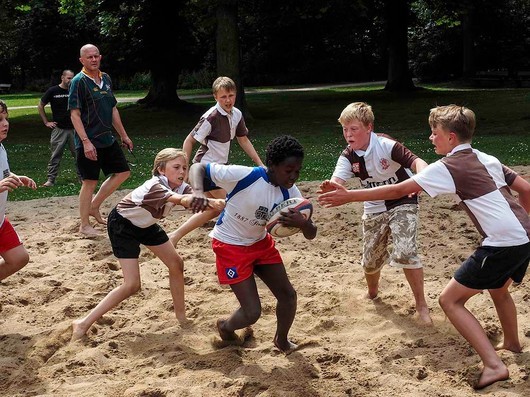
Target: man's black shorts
111	160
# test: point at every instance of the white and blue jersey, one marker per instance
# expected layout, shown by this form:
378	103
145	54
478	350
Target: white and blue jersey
250	197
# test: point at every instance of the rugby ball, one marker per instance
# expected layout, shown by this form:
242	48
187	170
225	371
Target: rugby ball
275	228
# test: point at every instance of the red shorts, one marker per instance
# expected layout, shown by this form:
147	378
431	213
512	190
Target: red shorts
8	237
235	263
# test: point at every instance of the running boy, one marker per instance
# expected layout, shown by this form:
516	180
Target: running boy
483	185
378	160
12	252
134	221
215	131
242	246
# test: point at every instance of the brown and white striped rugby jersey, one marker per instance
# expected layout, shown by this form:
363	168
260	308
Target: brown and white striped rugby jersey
215	130
147	204
385	162
481	183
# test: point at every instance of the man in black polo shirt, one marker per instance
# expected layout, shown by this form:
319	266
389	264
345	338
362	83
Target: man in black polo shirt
62	127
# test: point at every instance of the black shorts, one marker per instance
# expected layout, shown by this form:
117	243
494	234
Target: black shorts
111	160
209	185
126	238
491	267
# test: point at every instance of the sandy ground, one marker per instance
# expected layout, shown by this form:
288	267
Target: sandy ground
350	346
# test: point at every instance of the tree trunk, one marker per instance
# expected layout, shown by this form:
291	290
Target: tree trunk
468	41
227	47
399	76
161	43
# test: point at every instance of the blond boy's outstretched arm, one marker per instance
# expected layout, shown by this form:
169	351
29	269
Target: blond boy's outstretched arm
341	195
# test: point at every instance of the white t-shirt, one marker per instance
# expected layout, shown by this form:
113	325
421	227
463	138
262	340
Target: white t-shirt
250	198
480	182
4	167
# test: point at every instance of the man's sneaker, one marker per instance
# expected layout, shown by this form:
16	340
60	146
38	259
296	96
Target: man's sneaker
48	184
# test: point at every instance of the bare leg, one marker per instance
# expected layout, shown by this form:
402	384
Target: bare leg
85	198
507	314
131	285
105	190
167	254
192	223
248	313
372	281
12	261
275	277
453	300
415	280
198	219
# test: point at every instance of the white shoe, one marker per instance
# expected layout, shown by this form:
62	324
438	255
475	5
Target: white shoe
48	184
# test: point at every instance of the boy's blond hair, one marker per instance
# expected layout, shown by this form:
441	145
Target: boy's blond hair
457	119
357	111
166	155
223	82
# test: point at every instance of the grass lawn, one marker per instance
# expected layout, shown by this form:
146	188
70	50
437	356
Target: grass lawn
503	125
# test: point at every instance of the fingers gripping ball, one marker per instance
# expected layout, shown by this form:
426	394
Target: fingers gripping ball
275	228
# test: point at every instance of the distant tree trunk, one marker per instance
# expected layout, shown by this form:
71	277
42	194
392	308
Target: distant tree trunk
468	42
399	76
227	46
162	27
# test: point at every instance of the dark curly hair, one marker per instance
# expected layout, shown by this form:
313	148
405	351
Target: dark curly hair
282	147
3	106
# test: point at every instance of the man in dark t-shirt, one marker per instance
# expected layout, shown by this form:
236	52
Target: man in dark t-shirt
62	127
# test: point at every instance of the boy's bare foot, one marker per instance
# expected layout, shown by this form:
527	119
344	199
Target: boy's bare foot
516	348
225	335
423	316
286	348
89	231
94	212
78	330
370	296
490	375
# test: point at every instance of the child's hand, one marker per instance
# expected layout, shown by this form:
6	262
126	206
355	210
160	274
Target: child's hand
28	182
327	186
10	183
335	197
292	218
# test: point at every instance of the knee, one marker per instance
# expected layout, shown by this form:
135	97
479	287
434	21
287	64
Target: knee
253	313
444	302
132	288
176	265
289	296
20	261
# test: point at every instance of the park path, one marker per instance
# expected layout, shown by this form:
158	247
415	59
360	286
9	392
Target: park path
248	91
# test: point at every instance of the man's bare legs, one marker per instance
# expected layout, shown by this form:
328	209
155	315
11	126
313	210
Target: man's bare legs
12	261
89	206
198	219
452	300
415	280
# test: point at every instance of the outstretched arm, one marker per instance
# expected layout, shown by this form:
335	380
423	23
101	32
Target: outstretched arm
341	195
248	148
418	165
